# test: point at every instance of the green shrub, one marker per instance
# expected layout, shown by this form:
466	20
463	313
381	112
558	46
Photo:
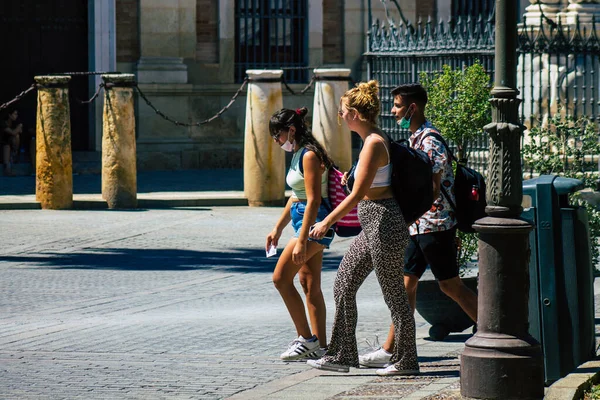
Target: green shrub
459	104
560	148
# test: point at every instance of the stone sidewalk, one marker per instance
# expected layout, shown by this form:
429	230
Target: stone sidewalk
122	304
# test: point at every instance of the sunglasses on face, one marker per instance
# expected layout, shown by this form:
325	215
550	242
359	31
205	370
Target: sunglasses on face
276	136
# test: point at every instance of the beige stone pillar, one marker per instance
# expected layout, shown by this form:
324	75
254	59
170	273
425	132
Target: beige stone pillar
335	137
54	163
119	180
264	160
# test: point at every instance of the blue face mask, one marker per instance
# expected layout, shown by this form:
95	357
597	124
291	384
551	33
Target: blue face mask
404	121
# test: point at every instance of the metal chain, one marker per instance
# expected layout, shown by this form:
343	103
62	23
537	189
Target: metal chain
18	97
93	97
86	73
206	121
312	80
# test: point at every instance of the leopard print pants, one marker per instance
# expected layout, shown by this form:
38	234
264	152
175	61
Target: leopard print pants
380	246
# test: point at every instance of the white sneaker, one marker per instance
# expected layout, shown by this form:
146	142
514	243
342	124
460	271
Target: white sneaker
300	348
391	370
315	355
328	366
375	359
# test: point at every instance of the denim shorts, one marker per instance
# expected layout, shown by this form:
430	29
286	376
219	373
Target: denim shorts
297	213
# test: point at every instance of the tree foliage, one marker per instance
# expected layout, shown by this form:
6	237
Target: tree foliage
458	103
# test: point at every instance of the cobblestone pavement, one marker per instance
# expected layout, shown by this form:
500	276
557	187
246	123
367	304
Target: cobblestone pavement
150	304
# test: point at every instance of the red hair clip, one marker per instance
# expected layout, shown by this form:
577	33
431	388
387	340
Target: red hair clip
298	111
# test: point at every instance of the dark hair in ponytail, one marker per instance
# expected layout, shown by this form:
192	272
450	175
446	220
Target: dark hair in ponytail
285	118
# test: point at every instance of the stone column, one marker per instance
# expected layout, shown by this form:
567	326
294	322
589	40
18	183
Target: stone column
550	8
335	137
264	160
502	360
583	11
54	163
119	180
167	37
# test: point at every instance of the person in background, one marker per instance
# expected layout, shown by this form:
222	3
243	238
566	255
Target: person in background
10	139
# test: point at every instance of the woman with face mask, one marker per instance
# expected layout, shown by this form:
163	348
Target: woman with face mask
308	204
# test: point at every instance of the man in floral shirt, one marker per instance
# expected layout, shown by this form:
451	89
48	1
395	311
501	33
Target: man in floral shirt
433	236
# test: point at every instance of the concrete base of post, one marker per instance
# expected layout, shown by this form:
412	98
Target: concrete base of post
502	361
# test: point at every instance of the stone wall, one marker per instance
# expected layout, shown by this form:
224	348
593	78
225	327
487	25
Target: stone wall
128	37
333	31
162	145
207	31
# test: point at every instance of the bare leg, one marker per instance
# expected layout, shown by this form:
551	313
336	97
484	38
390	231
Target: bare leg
460	293
310	280
283	278
6	159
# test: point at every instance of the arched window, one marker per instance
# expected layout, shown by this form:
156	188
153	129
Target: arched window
271	34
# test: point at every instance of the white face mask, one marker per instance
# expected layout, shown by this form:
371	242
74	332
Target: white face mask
287	146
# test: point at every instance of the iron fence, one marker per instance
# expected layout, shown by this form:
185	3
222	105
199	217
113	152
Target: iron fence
399	53
556	72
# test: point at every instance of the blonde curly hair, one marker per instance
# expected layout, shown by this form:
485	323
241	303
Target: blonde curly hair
364	99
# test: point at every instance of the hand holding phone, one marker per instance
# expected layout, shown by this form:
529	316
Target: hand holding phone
328	235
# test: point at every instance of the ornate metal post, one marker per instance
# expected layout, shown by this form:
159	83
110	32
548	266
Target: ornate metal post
502	361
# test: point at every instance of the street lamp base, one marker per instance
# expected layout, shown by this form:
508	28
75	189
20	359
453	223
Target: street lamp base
501	367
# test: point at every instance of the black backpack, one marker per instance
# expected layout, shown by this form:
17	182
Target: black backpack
411	179
469	192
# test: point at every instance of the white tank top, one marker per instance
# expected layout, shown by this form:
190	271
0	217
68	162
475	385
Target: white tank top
383	177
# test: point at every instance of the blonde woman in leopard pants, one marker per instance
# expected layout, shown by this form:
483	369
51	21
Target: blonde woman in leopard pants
379	247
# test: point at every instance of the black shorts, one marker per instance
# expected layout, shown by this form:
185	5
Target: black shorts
436	249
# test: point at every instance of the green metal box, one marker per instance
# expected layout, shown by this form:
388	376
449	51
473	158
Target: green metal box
561	295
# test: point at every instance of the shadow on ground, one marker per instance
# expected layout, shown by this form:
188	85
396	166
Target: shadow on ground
147	181
232	260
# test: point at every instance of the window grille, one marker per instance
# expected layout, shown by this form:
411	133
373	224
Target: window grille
272	34
472	8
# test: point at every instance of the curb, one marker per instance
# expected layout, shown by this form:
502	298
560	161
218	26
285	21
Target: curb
574	385
142	203
169	201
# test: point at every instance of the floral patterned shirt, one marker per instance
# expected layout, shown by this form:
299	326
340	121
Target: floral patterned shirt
441	216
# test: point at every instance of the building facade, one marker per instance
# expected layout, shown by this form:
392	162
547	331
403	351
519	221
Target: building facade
189	58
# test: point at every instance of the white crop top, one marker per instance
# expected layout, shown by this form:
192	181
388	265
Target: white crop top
383	177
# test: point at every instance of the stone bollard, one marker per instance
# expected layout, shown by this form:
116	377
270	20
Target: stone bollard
54	163
326	128
119	180
264	161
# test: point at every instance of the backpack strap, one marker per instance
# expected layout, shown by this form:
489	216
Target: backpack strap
439	137
300	166
386	147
